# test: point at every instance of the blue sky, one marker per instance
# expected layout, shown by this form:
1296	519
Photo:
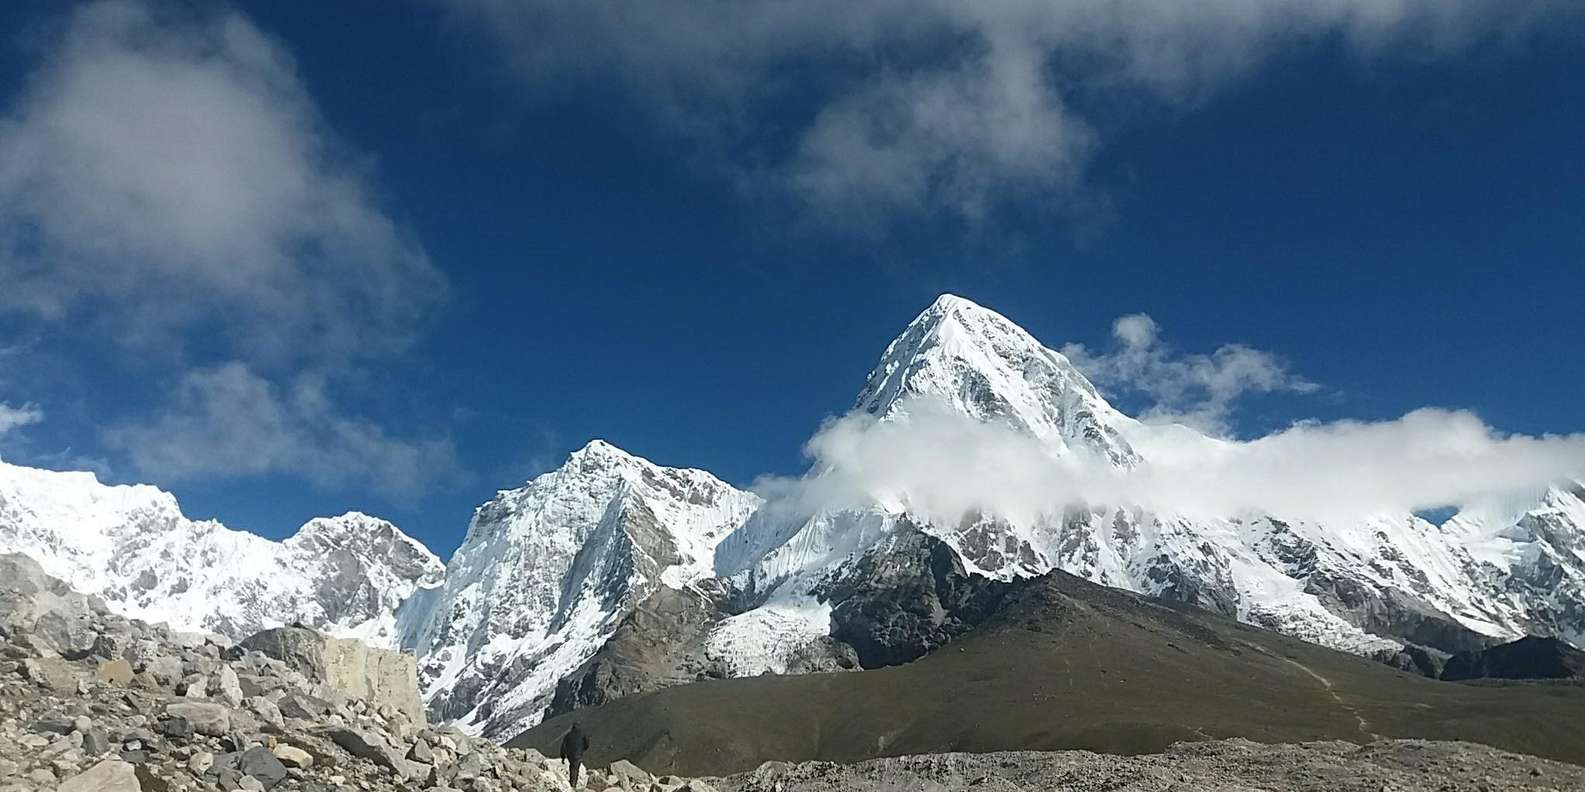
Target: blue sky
517	227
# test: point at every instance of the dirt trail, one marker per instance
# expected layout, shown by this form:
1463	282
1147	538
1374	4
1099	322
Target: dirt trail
1326	684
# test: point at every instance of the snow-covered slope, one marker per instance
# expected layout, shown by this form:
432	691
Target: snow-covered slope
548	571
132	546
988	368
1365	586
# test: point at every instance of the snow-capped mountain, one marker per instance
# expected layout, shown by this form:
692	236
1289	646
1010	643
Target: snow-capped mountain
132	546
1367	586
612	575
985	367
548	571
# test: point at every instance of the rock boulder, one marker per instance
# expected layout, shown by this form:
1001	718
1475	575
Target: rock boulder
379	676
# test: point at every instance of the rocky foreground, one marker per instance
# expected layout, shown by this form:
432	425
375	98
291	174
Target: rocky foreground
1216	766
92	702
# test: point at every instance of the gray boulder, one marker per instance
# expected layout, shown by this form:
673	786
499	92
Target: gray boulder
207	718
111	775
58	619
379	676
371	746
262	764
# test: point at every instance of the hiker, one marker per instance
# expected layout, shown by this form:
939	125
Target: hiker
572	748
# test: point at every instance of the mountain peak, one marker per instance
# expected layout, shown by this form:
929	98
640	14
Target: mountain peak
983	365
949	301
599	449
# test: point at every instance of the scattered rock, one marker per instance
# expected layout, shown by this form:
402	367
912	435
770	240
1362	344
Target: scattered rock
263	765
213	720
225	685
421	752
623	770
292	756
110	775
95	742
115	672
367	745
304	707
200	762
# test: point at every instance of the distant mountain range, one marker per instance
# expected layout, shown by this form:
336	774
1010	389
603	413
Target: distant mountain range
612	575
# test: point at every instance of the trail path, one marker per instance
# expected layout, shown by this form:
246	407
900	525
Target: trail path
1364	725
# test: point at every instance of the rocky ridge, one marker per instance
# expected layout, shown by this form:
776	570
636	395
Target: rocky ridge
91	701
548	572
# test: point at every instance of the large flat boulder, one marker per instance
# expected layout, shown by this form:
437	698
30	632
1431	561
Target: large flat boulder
378	676
58	619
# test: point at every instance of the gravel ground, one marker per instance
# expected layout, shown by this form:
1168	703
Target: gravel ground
1216	766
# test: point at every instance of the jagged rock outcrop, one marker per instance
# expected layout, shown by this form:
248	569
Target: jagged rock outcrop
549	571
1416	659
908	598
381	677
1530	657
666	641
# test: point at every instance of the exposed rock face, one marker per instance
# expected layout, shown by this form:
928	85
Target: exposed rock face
549	571
657	645
908	598
383	678
1530	657
665	641
1416	659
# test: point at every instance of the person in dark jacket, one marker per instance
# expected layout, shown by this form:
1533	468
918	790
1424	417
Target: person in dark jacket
572	748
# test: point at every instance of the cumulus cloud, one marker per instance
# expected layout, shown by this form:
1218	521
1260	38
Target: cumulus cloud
228	422
167	183
162	173
17	417
869	110
1192	389
1339	471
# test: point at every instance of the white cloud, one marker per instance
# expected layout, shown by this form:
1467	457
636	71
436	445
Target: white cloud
161	174
17	417
1192	389
228	422
167	183
877	108
1339	471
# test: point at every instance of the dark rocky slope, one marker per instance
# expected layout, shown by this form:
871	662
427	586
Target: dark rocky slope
1068	664
1527	658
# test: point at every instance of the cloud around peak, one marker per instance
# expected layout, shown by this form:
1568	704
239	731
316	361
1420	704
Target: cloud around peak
1343	472
1197	390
